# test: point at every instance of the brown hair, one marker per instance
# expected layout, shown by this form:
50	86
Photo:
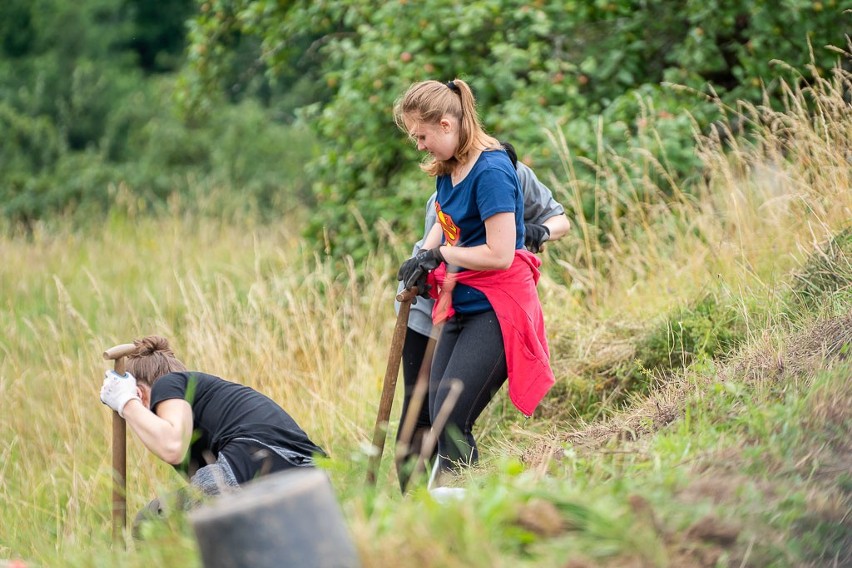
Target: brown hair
152	359
428	102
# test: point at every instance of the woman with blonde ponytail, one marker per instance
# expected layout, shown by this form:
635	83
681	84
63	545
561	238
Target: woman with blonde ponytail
474	263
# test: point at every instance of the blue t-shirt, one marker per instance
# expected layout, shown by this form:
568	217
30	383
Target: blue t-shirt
491	187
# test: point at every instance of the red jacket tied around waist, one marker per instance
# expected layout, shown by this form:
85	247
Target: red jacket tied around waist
513	296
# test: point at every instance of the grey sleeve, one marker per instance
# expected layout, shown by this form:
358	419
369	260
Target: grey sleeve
420	317
539	204
431	219
431	216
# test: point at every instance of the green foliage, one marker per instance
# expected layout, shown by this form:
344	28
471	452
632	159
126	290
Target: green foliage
693	336
159	34
76	69
534	66
146	150
83	125
263	161
235	45
29	144
16	28
707	329
826	274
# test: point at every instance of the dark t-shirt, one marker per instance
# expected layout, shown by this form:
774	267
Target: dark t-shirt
237	421
491	187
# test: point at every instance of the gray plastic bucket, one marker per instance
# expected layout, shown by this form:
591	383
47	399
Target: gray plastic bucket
286	519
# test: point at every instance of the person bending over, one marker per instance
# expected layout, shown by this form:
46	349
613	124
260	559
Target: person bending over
219	433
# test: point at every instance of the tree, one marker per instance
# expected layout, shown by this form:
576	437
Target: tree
158	32
533	65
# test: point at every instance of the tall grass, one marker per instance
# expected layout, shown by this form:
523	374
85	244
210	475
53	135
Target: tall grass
252	306
775	186
257	304
774	190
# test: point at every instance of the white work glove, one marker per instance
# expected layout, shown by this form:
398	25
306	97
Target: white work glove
118	390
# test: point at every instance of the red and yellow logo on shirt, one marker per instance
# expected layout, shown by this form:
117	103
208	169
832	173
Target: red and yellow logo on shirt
451	230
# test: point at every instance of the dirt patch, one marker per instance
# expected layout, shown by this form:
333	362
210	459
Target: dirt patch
827	341
713	530
650	415
716	487
542	518
703	544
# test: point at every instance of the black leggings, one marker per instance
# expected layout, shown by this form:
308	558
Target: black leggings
470	349
414	355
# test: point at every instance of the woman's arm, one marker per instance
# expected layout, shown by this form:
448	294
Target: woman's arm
166	433
434	237
559	225
540	206
497	253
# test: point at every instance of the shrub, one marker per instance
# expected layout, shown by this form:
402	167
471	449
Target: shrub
533	66
703	331
826	275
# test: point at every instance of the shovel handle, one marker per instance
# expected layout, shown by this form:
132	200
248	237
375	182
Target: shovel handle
389	387
119	448
406	296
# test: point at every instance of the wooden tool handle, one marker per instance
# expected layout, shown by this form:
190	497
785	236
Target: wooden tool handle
407	295
119	469
119	448
389	387
119	352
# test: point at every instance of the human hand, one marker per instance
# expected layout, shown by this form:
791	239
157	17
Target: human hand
422	287
413	271
535	236
118	390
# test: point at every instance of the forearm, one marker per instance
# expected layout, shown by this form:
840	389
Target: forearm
497	253
161	437
482	257
558	225
433	239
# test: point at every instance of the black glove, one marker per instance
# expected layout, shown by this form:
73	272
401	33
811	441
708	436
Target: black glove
422	287
536	236
414	270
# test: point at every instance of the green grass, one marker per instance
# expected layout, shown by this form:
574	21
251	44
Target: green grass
701	415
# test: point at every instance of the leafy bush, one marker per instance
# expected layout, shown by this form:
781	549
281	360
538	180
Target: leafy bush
87	118
704	331
148	148
262	161
826	274
534	66
29	144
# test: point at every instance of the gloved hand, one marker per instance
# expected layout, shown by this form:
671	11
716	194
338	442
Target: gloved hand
422	287
535	237
413	271
118	390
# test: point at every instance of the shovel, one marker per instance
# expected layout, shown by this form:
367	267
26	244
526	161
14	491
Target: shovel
119	447
380	431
